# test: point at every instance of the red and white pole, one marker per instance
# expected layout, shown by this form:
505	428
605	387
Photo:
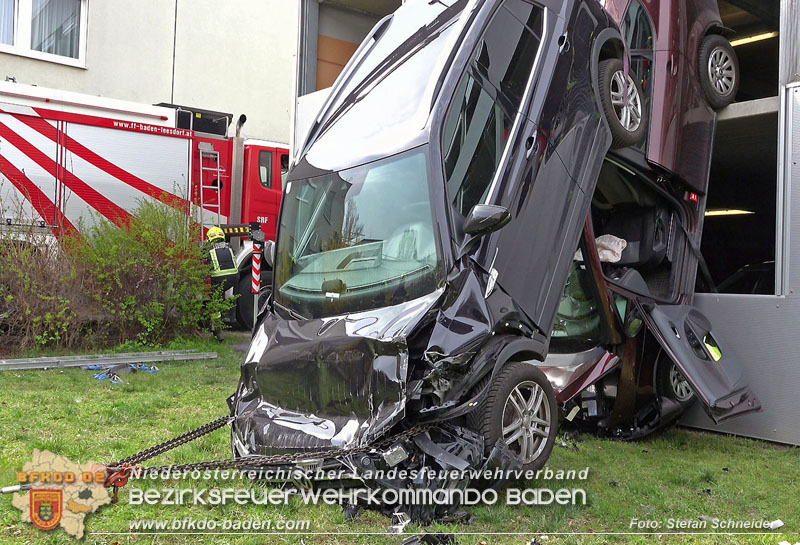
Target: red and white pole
258	250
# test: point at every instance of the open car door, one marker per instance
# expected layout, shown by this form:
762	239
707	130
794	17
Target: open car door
712	369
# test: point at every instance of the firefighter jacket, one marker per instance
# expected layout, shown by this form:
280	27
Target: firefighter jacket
222	261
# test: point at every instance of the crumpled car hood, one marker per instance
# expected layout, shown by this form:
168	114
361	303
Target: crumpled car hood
326	383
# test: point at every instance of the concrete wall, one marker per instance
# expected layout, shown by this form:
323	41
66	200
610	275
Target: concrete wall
236	57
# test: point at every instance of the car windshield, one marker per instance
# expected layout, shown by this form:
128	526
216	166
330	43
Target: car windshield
358	239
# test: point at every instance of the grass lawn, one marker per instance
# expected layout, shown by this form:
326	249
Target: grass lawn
681	474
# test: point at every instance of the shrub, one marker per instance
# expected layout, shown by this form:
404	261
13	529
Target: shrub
140	285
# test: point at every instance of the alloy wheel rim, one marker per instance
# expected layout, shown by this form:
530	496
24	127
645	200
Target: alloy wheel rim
526	420
629	113
720	71
680	386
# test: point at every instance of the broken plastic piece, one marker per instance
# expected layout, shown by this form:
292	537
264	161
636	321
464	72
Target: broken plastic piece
573	413
395	455
399	522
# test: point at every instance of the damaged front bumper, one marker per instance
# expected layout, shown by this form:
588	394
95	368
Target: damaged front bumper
332	383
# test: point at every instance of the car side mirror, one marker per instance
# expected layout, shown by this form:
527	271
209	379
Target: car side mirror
269	253
485	218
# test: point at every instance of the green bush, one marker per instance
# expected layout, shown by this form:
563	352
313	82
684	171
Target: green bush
140	285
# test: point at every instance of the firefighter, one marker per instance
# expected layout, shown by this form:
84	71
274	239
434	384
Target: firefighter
223	267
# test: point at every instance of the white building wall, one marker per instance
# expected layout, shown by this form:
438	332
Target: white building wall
243	61
235	57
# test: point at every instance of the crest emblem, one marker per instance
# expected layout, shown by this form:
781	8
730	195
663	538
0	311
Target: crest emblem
46	508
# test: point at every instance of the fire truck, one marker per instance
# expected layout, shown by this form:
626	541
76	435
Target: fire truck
67	159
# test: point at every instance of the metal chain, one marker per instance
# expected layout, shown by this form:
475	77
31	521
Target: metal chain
250	462
161	448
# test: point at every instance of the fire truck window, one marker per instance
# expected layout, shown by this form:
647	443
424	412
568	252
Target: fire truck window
740	222
265	168
284	169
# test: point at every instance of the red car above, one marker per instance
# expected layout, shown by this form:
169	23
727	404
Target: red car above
687	69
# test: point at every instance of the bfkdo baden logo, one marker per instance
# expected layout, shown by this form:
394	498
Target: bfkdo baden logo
46	508
59	492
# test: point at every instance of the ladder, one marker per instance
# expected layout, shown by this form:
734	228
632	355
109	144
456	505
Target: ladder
210	179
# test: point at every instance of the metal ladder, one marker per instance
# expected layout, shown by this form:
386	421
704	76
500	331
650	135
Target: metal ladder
207	151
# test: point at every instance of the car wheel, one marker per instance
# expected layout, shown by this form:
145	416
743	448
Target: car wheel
244	304
718	70
521	410
671	383
627	118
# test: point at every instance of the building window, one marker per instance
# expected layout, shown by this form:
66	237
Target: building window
7	22
53	30
56	27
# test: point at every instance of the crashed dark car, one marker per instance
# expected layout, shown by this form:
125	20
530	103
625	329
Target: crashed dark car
426	235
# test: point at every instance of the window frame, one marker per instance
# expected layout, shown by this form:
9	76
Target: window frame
516	121
270	169
648	53
23	11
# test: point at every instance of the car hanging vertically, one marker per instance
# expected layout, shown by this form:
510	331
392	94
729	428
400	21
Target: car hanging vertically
427	231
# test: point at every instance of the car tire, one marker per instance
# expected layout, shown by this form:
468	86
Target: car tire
718	71
519	383
244	304
671	383
628	122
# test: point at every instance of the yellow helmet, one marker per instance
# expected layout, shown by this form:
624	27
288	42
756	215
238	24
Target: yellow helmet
215	233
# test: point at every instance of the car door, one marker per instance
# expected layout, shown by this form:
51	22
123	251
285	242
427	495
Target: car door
709	365
540	182
262	189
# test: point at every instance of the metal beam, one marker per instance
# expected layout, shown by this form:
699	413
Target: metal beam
62	362
307	47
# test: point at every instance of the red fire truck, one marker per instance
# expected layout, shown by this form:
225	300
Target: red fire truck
67	159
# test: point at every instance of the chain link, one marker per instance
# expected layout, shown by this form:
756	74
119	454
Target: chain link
255	461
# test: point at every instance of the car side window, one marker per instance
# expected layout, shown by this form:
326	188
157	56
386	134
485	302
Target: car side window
475	137
481	117
640	38
508	49
265	168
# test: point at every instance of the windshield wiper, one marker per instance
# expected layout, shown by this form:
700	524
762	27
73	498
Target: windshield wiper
292	313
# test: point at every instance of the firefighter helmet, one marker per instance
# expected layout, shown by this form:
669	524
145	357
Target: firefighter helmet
214	234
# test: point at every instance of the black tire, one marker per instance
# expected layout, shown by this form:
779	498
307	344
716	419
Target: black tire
718	70
671	383
489	417
244	304
629	132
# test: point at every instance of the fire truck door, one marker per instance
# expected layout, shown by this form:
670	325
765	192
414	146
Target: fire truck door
263	187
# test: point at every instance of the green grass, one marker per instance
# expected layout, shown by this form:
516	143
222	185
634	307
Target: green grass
72	414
